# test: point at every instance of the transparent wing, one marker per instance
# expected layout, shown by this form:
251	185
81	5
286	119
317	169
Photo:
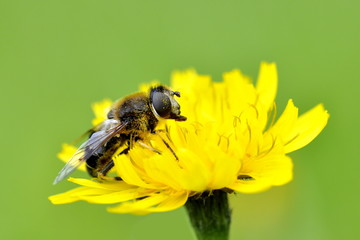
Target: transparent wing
93	130
91	147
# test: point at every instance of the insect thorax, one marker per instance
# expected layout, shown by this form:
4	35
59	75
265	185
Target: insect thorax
136	112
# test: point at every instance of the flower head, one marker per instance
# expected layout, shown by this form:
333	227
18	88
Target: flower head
230	142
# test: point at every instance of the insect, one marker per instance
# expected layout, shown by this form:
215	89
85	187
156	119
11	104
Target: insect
129	120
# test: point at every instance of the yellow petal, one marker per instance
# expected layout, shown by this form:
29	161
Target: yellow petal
114	197
191	84
197	171
307	127
101	110
267	171
139	206
163	170
267	84
115	185
224	172
172	202
76	194
145	87
67	152
128	172
240	91
249	186
189	80
286	122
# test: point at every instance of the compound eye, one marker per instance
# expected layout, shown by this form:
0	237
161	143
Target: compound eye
162	104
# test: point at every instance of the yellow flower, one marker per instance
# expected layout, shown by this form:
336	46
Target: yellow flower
230	142
100	110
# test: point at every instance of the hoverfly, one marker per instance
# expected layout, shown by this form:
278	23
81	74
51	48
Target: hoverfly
129	120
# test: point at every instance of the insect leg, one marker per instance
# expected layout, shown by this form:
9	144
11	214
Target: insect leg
131	141
144	145
167	145
102	173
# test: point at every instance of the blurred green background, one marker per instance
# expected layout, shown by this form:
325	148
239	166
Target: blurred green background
58	57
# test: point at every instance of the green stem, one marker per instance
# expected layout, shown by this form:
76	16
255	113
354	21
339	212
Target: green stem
210	215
